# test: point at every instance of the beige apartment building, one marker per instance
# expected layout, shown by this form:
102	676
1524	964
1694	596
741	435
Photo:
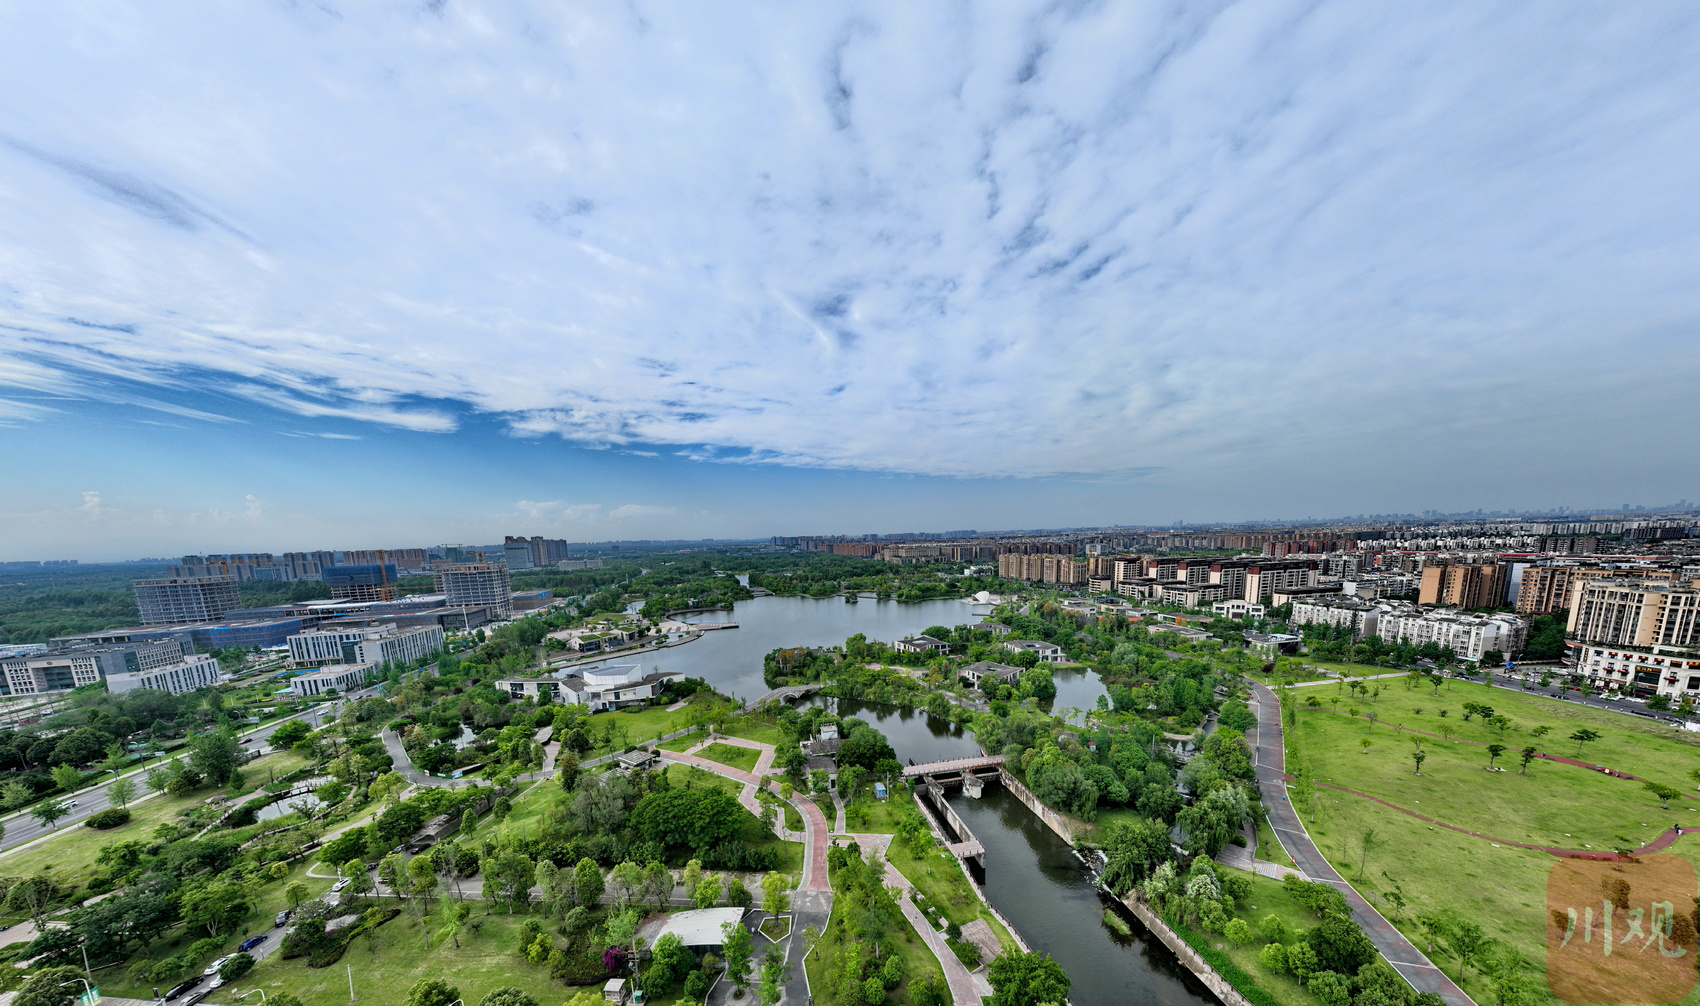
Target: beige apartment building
1465	585
1637	613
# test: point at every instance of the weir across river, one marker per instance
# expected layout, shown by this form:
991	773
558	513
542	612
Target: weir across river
971	774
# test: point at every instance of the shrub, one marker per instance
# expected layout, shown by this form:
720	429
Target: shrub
111	817
236	967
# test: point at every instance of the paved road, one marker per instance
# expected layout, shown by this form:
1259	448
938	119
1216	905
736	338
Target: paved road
21	829
1271	761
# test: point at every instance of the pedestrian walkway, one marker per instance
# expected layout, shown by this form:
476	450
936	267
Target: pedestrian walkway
1270	758
966	987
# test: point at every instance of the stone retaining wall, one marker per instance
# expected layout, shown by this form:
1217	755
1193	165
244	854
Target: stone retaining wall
1189	957
1062	825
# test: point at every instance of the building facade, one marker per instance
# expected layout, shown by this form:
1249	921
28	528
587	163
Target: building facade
1465	585
1641	671
477	584
339	678
185	599
65	668
1469	636
195	671
1635	613
362	583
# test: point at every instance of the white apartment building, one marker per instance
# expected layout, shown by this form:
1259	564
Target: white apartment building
1641	670
341	678
198	670
1335	610
1470	636
376	645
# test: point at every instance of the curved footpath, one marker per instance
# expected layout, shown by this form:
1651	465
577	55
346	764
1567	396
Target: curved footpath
1271	760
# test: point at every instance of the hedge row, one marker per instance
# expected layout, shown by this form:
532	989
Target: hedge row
1244	983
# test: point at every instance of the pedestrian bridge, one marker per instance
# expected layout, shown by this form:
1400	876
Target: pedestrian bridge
954	766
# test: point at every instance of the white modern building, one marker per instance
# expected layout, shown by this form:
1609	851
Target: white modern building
921	644
196	671
1048	653
340	678
1642	670
600	688
1238	608
1339	611
65	668
376	645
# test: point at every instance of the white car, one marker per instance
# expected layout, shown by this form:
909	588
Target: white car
212	969
339	885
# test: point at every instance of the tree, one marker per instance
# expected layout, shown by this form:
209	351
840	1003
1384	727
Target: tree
1501	723
216	755
1368	841
1582	737
567	764
1239	931
15	794
1340	945
1418	756
1494	751
295	892
56	986
776	893
1663	792
1025	978
737	949
1466	939
508	995
587	880
1331	988
359	880
49	811
121	791
431	992
1528	755
67	777
1366	744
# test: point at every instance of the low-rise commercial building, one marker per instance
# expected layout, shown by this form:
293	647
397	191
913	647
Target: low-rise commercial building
1641	671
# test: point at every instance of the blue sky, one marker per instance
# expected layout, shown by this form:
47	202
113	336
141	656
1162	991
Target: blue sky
283	276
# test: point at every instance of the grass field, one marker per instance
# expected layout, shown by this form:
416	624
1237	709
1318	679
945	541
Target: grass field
642	725
1268	898
741	758
1501	887
756	728
939	876
682	743
822	962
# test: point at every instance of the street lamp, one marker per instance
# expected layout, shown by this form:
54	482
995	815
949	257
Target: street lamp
87	988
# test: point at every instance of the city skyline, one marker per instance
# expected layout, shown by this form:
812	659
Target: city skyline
284	278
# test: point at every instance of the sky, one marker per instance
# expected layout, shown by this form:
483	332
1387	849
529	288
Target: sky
280	275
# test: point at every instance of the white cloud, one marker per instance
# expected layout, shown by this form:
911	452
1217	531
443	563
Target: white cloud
631	510
1004	239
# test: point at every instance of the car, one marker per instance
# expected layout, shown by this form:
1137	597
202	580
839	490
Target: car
252	942
339	885
215	983
282	917
180	988
212	969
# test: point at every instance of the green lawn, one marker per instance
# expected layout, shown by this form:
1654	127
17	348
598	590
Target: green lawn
939	876
1502	888
741	758
756	728
1269	847
682	743
869	816
640	725
387	966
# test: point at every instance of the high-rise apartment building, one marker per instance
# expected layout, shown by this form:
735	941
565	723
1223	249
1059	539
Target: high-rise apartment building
1544	589
1465	585
477	584
185	599
533	552
1635	612
362	583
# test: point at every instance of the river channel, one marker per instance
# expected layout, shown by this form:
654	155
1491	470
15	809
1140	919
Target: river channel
1031	876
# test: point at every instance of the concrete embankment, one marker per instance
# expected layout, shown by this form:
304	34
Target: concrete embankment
1189	957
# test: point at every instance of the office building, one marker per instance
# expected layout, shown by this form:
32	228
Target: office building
486	584
1465	585
376	645
185	599
362	583
187	675
340	678
1635	613
67	667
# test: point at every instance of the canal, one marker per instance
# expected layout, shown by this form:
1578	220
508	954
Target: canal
1031	876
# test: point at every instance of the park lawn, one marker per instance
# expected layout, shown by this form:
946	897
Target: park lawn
758	728
938	875
640	725
385	967
741	758
868	816
1268	898
1109	817
1354	670
526	820
1502	888
822	961
753	833
70	852
682	743
1269	847
270	900
1554	804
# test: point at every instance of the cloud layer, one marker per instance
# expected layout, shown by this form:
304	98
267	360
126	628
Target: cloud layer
1009	239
